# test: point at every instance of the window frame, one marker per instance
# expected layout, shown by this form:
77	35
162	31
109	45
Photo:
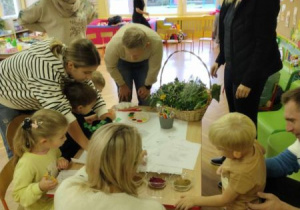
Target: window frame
17	7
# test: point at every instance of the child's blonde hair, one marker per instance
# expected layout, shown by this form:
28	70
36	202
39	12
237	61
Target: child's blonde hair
113	157
134	37
98	79
44	123
233	132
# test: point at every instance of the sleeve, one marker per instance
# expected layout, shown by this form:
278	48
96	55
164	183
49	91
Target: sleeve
100	106
220	60
49	95
154	62
111	58
265	23
25	192
282	165
90	11
241	183
29	17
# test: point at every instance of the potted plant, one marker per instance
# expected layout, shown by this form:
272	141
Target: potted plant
189	99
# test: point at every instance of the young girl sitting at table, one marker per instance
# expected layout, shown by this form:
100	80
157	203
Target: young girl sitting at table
243	173
113	155
38	158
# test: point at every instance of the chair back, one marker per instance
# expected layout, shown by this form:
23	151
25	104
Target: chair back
6	176
91	36
106	36
12	129
207	26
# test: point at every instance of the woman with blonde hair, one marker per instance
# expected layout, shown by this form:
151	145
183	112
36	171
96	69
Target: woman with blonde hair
106	182
33	79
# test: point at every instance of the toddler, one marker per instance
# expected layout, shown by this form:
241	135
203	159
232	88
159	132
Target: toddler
82	98
98	80
243	173
38	158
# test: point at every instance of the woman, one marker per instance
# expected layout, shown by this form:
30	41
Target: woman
114	153
248	47
65	20
138	12
32	79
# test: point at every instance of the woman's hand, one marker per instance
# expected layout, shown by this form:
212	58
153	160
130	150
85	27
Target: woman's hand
62	163
213	70
143	92
242	91
90	119
124	92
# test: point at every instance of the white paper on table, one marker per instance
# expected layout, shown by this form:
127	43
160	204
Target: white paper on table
81	159
177	153
61	177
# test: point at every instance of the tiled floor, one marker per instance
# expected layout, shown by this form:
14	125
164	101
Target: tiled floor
181	65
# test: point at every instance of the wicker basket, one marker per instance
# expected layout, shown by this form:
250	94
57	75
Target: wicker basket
190	116
194	115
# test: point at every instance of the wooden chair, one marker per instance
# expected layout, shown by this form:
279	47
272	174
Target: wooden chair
165	35
207	26
188	39
105	38
6	176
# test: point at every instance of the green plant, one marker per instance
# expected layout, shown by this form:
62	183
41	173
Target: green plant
181	95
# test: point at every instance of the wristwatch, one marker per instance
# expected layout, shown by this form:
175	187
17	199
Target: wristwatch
148	87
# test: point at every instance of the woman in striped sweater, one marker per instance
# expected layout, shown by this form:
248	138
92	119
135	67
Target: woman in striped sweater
32	79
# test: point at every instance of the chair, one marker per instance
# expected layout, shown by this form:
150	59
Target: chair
270	107
105	38
12	128
207	26
165	35
6	176
188	39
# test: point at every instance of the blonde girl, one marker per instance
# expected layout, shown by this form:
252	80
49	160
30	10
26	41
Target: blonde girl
38	158
107	182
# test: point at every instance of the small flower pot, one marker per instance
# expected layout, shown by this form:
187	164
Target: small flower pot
166	123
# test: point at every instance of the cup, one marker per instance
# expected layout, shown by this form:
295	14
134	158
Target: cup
166	123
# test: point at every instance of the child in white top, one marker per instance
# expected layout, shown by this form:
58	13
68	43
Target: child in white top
38	158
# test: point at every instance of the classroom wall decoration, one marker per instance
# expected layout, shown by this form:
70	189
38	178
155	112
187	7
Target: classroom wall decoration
289	20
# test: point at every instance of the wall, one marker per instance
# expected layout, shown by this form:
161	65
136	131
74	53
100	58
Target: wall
287	20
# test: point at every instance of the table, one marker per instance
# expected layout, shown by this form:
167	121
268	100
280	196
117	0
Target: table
168	196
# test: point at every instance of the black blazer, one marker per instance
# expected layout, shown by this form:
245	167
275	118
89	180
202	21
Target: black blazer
254	50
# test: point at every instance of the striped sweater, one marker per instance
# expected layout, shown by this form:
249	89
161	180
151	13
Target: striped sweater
31	80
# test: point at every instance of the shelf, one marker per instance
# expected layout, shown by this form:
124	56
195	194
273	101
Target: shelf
17	32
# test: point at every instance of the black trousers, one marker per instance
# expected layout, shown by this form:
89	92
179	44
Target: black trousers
286	189
247	106
140	19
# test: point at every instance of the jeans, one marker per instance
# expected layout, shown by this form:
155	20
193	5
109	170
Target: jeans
6	116
134	72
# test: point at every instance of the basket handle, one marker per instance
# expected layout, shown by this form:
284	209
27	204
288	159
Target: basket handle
177	51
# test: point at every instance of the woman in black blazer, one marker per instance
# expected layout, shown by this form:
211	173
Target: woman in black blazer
248	48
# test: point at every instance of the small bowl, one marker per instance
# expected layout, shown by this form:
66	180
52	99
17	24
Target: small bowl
182	183
157	182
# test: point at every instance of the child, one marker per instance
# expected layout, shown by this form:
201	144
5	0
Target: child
107	181
82	98
38	158
243	173
98	80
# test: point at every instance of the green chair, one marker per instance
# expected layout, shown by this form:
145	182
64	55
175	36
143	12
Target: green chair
277	143
271	122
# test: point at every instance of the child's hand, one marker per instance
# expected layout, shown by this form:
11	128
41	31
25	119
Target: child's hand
110	114
185	203
62	163
90	119
219	170
47	183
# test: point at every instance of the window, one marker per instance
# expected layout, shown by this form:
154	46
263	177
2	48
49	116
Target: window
162	6
200	5
10	8
120	7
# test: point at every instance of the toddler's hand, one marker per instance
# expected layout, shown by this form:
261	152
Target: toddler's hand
90	119
185	203
47	183
62	163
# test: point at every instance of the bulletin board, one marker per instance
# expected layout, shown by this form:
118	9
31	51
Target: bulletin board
288	22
